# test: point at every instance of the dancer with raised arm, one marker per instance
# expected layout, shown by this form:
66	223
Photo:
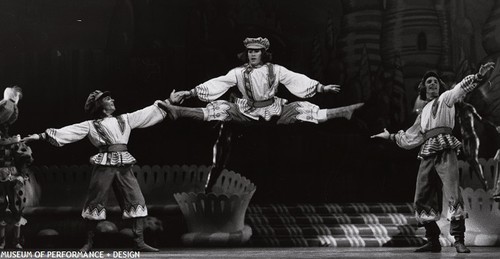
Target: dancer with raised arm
438	171
112	165
257	81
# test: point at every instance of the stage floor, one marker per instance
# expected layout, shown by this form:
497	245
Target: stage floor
319	252
267	252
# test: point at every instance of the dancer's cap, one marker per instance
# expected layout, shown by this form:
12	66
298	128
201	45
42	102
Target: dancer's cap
94	97
257	43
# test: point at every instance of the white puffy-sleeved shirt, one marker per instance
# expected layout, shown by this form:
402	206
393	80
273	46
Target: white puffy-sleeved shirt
438	113
108	131
258	84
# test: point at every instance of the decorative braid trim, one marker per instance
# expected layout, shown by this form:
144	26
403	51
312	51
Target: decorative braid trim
457	212
203	93
102	132
50	134
312	90
424	216
307	112
469	83
121	123
136	211
94	214
217	111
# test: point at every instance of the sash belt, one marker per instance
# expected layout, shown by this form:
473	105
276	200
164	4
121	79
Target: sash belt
260	104
113	148
436	131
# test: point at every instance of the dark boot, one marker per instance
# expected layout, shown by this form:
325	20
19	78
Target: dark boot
457	229
138	231
432	245
16	244
432	234
174	112
460	245
90	226
343	112
2	237
221	154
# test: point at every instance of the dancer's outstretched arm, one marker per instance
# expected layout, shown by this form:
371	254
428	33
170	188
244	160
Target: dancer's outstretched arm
408	139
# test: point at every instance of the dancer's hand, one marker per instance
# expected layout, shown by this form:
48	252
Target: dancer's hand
385	135
331	88
31	138
485	68
178	97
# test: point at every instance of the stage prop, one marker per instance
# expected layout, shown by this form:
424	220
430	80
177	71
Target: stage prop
217	218
483	223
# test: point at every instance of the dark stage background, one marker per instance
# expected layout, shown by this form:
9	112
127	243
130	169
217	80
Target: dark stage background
59	51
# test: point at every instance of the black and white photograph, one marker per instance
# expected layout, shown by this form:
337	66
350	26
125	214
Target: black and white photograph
249	128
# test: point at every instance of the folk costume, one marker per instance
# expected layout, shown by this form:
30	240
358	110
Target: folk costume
258	86
438	171
15	157
112	164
